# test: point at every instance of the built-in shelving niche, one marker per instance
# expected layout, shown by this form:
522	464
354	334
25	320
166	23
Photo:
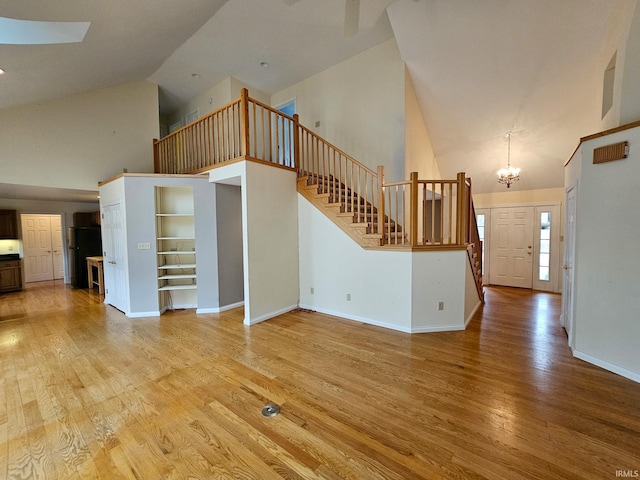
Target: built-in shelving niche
175	238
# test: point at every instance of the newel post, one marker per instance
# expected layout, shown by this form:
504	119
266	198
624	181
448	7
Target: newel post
244	123
296	144
156	156
381	201
460	209
413	208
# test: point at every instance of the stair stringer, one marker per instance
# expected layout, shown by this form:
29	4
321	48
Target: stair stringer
333	211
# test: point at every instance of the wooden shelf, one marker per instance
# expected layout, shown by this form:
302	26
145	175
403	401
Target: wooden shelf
178	252
176	266
174	214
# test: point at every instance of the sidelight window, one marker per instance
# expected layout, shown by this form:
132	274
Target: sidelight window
480	224
545	246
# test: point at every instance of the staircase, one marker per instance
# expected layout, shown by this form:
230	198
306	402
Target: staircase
349	211
409	215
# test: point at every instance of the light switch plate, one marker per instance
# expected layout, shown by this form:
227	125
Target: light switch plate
144	246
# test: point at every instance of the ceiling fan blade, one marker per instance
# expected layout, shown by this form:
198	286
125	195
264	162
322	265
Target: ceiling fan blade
351	17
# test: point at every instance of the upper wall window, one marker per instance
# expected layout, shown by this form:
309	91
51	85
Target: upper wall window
607	86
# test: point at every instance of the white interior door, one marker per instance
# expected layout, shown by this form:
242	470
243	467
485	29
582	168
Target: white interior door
43	247
566	318
511	254
114	257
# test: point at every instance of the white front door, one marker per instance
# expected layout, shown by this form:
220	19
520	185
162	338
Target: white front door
114	257
511	254
566	318
43	250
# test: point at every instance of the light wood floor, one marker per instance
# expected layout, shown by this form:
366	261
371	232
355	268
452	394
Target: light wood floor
88	393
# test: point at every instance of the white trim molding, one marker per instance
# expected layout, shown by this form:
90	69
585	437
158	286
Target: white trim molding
269	315
221	309
630	374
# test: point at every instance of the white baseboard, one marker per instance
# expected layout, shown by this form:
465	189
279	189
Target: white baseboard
155	313
357	318
390	326
208	310
630	374
269	315
224	308
439	328
231	306
466	322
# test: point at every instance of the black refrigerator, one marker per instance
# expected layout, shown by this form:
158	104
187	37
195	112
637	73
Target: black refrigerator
83	242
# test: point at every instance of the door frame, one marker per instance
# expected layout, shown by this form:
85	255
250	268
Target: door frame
486	244
567	314
557	225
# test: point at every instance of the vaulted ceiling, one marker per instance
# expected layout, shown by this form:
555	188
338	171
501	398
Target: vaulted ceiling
481	68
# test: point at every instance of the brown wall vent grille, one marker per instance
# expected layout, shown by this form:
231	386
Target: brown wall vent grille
609	153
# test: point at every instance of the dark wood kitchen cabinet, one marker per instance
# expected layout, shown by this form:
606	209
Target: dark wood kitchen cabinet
8	225
10	276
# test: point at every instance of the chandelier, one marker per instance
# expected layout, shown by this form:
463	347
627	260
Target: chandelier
508	175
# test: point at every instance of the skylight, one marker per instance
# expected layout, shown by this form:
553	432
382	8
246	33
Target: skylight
29	32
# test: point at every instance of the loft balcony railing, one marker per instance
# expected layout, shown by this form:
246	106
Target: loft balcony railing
416	214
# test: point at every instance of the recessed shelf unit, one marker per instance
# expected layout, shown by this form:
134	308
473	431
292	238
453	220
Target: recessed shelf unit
175	238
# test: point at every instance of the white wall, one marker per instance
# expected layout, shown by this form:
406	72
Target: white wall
270	236
215	97
518	197
360	106
625	40
419	156
440	277
399	290
334	265
229	231
607	265
75	142
137	193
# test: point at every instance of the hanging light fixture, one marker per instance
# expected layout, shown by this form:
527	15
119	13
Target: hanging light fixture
508	175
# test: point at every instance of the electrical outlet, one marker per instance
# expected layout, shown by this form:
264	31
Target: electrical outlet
348	297
144	246
311	290
440	305
317	123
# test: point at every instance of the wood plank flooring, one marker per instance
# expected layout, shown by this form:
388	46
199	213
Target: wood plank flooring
88	393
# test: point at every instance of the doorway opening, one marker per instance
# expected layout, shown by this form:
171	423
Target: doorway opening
288	108
521	246
43	247
285	126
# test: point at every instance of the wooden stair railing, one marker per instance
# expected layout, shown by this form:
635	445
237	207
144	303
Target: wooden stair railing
348	184
416	214
209	141
242	129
